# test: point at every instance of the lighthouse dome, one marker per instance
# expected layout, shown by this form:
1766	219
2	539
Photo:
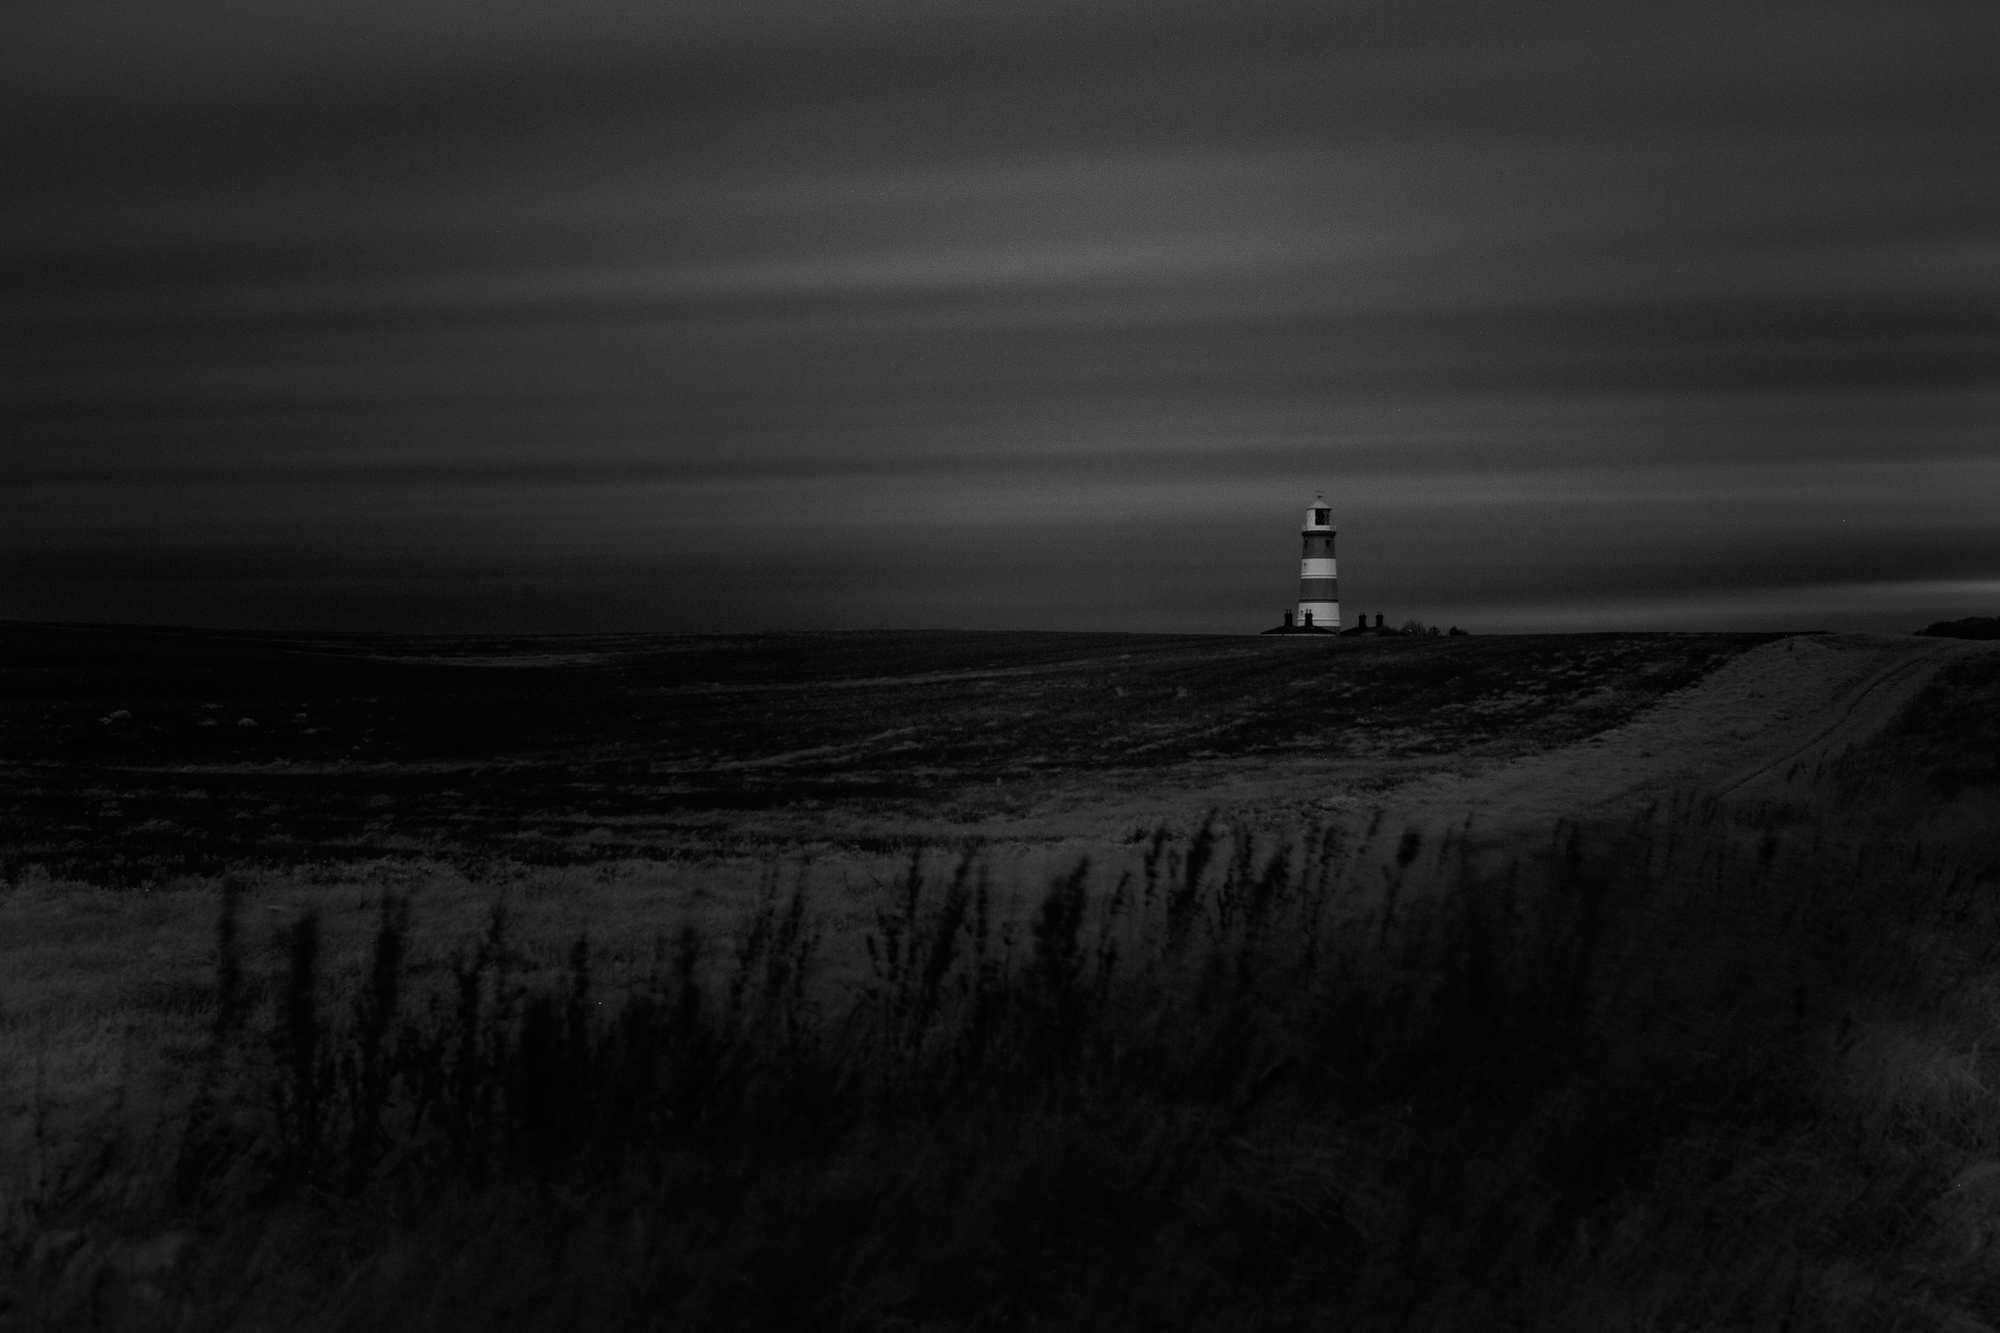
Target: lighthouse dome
1319	516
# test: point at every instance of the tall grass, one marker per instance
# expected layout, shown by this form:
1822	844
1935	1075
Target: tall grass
1371	1078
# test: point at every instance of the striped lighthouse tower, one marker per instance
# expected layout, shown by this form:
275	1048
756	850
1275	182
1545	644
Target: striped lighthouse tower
1319	588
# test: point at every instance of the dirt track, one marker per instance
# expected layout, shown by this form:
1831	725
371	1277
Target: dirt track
1737	735
1773	713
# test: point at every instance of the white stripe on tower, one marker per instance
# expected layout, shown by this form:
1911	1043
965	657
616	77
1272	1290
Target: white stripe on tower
1319	586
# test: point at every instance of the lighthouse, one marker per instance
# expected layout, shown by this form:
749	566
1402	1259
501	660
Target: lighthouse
1319	588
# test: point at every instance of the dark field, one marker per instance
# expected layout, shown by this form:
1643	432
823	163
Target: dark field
132	756
378	1015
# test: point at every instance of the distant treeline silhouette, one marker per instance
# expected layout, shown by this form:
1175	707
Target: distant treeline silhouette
1972	627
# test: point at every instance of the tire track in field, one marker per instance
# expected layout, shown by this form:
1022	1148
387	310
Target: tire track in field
1862	714
1755	716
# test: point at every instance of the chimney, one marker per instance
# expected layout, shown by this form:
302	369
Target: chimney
1309	619
1288	620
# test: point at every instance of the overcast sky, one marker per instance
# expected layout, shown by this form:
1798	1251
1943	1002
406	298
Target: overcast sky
746	314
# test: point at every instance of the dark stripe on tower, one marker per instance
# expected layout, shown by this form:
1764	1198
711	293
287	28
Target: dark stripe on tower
1319	590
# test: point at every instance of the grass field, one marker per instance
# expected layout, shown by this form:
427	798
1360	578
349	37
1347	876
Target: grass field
1706	1065
132	757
